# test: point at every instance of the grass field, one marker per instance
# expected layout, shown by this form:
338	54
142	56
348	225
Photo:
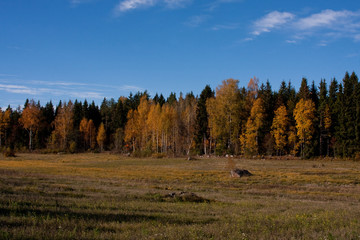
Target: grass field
104	196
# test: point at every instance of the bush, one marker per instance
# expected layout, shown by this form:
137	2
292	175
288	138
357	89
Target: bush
357	157
73	147
141	154
9	152
158	155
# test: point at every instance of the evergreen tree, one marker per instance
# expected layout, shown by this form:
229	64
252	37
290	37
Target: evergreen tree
267	96
171	99
323	115
304	92
201	124
78	113
94	114
350	85
161	100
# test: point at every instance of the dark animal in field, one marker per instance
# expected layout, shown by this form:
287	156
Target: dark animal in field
240	172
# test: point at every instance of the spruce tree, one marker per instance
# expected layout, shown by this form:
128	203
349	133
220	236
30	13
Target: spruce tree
201	123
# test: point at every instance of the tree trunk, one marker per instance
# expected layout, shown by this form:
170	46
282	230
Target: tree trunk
30	139
204	144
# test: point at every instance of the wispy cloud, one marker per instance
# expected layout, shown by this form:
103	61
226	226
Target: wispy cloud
196	21
215	4
127	5
330	24
357	37
327	23
74	3
326	18
230	26
7	75
131	88
270	21
48	90
10	88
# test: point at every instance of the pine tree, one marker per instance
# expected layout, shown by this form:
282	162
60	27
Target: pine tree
324	119
304	92
267	95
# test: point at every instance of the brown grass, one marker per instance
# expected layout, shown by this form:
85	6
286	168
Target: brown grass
97	196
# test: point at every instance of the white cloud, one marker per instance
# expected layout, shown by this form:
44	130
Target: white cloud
131	88
326	18
329	23
248	39
176	3
127	5
324	25
225	26
357	37
7	75
17	89
215	4
196	21
270	21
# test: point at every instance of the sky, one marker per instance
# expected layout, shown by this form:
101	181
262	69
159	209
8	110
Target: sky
91	49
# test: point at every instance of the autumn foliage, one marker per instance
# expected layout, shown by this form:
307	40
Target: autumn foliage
251	120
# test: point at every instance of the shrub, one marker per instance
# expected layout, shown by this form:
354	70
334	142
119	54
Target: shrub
73	147
158	155
9	152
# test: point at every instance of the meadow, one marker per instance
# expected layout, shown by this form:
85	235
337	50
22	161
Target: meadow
108	196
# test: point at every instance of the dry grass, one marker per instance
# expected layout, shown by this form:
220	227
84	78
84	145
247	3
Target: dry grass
97	196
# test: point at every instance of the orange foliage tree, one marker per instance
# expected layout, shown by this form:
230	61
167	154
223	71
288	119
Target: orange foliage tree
279	128
63	124
101	136
30	119
88	130
253	125
4	123
304	114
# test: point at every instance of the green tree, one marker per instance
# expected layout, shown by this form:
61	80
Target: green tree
201	123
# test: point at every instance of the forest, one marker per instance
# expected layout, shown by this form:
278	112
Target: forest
254	120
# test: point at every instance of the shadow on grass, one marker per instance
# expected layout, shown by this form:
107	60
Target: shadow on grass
101	217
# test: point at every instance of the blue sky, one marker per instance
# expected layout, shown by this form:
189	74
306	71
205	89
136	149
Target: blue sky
77	49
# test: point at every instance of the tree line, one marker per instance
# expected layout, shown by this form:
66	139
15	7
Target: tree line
251	120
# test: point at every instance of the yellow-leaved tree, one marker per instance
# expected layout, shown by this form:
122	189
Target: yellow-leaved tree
304	114
30	119
63	124
279	129
132	129
101	136
4	123
253	126
153	123
224	110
